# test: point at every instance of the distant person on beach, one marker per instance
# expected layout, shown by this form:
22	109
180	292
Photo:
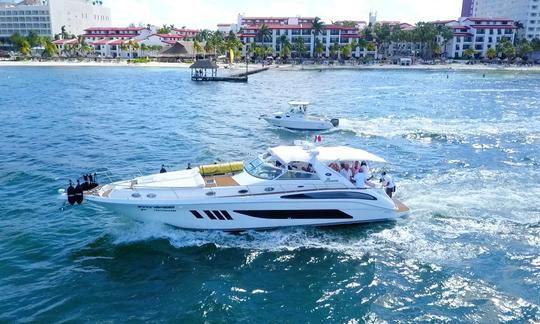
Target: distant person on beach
163	170
388	184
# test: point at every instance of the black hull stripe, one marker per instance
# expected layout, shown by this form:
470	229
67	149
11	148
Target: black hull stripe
226	214
209	214
218	214
296	214
196	214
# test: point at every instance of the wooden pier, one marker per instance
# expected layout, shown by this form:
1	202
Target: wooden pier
206	70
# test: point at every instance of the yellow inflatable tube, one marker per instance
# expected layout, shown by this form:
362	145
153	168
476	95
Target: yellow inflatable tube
222	168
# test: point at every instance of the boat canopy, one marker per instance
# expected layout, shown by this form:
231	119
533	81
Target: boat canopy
287	154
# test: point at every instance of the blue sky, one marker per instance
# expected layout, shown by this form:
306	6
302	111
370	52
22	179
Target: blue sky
207	13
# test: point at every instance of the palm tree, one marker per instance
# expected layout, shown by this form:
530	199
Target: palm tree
82	46
197	47
124	47
25	47
491	53
469	53
285	46
300	46
347	50
319	48
264	33
317	26
203	35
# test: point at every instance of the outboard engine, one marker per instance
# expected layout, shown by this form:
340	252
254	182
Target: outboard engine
78	193
334	121
71	193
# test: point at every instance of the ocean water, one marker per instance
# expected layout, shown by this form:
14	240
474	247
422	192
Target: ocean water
464	150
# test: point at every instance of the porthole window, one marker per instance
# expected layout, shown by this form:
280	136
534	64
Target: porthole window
151	195
136	195
268	189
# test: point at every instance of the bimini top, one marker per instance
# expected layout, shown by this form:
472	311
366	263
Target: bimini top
287	154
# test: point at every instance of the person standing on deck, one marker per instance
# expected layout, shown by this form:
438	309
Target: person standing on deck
388	184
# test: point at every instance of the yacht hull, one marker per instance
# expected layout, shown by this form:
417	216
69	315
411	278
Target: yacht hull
255	212
300	124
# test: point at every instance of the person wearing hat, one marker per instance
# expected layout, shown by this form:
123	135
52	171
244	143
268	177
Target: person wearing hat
388	184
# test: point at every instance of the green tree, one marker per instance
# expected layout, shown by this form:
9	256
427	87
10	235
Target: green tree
347	51
285	46
197	47
506	48
16	39
33	38
469	53
203	35
264	33
524	48
317	26
319	47
300	47
165	29
25	47
334	51
491	53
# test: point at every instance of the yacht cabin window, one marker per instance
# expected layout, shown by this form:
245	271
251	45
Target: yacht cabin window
264	167
299	171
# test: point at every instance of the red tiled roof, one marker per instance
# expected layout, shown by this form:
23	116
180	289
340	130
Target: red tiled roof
170	36
282	26
488	19
66	41
115	28
169	42
117	42
339	27
493	26
101	42
110	35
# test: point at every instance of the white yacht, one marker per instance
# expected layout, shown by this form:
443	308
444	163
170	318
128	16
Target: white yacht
298	119
285	186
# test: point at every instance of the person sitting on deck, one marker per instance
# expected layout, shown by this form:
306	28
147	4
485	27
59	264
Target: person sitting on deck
163	170
346	171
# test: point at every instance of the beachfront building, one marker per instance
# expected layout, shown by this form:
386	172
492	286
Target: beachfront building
477	33
51	17
295	29
526	12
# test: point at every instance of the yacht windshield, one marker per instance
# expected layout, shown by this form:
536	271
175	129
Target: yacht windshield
263	169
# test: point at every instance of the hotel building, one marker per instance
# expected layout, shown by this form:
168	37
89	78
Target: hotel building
108	41
294	28
527	12
480	34
47	17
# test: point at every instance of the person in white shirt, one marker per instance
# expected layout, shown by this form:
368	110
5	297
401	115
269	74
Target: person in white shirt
365	168
362	181
346	171
388	184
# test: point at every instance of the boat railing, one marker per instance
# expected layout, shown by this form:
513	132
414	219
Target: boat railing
251	190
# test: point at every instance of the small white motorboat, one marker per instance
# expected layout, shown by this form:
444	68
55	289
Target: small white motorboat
285	186
298	119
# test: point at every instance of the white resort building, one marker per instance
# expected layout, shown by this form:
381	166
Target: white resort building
113	42
294	28
479	34
50	17
527	12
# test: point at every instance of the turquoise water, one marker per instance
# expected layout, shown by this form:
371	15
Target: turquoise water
464	150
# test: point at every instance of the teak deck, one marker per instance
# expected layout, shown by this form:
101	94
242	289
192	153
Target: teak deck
220	181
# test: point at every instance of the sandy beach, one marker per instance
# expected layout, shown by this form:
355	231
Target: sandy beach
284	67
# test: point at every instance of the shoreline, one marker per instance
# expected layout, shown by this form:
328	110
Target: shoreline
285	67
